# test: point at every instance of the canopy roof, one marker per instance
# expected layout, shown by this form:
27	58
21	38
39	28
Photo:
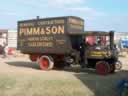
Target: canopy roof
90	33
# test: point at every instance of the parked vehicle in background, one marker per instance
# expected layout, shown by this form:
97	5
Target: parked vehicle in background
125	43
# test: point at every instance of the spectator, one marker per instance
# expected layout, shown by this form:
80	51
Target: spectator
2	49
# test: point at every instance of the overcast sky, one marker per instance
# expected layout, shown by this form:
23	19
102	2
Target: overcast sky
98	14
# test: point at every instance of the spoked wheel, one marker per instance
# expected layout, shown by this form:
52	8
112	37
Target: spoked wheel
118	65
46	63
102	68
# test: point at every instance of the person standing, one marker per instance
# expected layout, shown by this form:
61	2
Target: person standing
3	49
83	47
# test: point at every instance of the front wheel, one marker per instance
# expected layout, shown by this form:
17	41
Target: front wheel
118	65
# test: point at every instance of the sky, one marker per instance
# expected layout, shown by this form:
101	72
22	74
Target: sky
99	15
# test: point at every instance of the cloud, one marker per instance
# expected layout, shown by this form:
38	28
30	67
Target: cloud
107	23
12	13
86	11
75	6
8	13
62	3
50	3
32	3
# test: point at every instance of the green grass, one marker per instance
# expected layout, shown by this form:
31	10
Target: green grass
38	86
50	84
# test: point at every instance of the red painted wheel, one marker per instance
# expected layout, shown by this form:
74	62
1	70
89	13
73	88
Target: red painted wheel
102	68
45	63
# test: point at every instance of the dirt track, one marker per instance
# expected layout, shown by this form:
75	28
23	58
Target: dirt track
24	65
17	65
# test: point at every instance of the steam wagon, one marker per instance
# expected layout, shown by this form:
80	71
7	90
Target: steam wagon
61	41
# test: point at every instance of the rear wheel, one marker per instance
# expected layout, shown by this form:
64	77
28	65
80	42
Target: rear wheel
102	67
46	62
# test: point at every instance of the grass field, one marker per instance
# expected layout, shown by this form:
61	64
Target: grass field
27	81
